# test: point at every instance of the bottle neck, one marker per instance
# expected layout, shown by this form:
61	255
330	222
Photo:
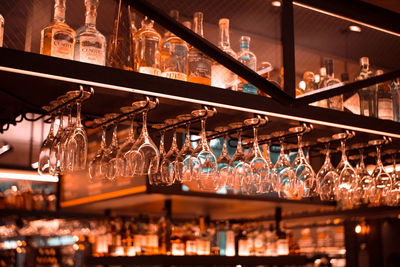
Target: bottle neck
244	46
59	11
91	14
224	42
198	24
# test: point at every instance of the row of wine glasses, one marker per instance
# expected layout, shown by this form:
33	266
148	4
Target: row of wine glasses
65	147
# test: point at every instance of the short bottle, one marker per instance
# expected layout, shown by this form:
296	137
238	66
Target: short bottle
335	102
395	89
384	99
147	48
221	76
90	43
249	59
1	30
199	65
174	54
368	105
58	39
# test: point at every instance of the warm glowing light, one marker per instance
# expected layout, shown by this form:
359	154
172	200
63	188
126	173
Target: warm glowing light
19	250
75	246
131	251
75	238
317	78
4	148
276	3
26	176
336	221
19	243
358	229
398	216
302	85
35	165
355	28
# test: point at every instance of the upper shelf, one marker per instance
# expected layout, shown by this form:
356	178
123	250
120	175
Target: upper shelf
38	79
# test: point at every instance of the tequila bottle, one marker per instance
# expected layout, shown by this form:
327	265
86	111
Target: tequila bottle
58	39
147	48
221	76
367	95
174	54
249	59
1	30
395	88
335	102
121	47
199	70
90	43
384	99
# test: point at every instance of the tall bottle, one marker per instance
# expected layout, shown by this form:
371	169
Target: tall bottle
174	54
384	99
1	30
121	43
395	88
221	76
58	39
199	70
203	241
249	59
90	43
367	95
335	102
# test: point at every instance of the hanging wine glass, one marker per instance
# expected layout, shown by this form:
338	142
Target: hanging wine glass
273	175
156	179
394	199
183	159
167	167
44	154
361	192
205	164
224	159
347	174
95	164
382	181
56	147
327	175
123	154
64	139
238	166
287	181
305	175
110	165
77	141
258	180
145	155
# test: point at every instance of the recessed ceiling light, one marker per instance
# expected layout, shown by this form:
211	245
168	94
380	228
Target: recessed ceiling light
354	28
276	3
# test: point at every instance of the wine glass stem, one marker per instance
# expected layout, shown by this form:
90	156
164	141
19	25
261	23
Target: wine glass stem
162	149
144	125
187	133
203	133
174	144
343	147
132	128
51	131
115	135
78	114
378	155
239	144
103	138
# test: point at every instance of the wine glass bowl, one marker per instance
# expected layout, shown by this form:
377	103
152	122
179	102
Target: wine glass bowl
168	164
95	164
182	167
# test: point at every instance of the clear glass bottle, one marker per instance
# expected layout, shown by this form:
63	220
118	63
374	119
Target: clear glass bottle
221	76
199	65
174	54
90	44
368	105
1	30
58	39
384	99
335	102
147	48
249	59
121	48
395	88
203	241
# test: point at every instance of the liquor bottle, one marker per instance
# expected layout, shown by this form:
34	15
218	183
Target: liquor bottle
151	239
384	99
367	95
177	243
147	49
309	79
249	59
335	102
241	242
395	88
174	54
121	43
51	199
138	238
90	44
226	240
190	241
1	30
199	65
58	39
264	70
164	235
271	240
203	242
221	76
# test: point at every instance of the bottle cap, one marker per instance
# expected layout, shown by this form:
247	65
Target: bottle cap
146	22
223	22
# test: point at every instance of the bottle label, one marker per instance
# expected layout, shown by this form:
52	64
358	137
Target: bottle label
385	109
174	75
191	247
138	242
243	247
91	52
150	70
199	65
230	243
62	45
